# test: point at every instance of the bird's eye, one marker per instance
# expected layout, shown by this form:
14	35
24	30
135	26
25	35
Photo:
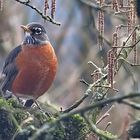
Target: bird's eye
37	31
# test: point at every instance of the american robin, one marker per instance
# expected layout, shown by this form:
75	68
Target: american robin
31	67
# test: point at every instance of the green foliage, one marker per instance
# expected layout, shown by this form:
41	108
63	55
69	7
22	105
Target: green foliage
21	123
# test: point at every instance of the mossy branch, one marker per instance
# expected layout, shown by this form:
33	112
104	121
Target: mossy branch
62	117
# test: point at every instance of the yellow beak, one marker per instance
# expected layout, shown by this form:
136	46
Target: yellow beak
25	28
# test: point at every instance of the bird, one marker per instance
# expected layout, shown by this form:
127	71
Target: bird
30	68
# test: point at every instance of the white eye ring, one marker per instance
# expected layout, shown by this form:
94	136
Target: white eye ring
38	30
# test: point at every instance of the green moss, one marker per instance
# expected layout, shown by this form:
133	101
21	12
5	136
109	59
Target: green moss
75	128
41	116
24	134
14	103
7	127
31	120
20	115
2	102
105	135
54	133
71	128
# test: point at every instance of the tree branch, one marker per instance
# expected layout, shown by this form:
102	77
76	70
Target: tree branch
118	99
76	104
47	18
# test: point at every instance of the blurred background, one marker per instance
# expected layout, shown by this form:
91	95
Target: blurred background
75	43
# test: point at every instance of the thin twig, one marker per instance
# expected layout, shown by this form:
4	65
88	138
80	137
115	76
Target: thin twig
85	82
97	131
48	18
105	115
94	65
106	86
102	118
76	104
103	8
132	104
122	12
134	44
108	124
127	41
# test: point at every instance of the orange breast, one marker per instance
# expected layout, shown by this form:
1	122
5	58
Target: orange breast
36	71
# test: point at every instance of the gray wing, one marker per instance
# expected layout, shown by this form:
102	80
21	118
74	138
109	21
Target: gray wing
10	70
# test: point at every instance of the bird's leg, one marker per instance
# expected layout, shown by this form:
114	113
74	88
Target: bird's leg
37	104
30	102
46	113
20	100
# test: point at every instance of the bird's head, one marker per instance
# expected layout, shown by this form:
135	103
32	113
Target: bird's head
35	34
